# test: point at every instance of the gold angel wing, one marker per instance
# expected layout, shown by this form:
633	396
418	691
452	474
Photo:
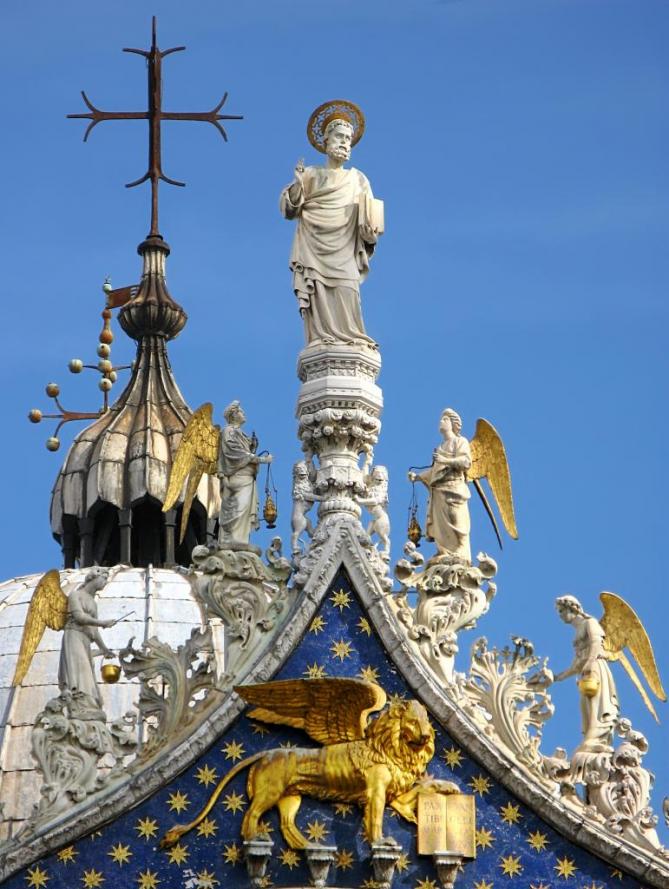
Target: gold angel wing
48	608
489	461
623	629
197	453
328	710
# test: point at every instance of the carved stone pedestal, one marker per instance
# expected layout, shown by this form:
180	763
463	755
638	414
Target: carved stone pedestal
384	860
446	864
257	854
319	859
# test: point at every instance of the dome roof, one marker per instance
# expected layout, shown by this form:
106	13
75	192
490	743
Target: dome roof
157	602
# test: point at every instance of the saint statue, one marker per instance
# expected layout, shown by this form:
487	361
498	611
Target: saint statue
227	453
237	470
338	224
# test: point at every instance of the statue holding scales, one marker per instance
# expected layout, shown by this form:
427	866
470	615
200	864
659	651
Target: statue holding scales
338	224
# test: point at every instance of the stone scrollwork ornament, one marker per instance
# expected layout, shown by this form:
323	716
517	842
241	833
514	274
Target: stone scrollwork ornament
373	763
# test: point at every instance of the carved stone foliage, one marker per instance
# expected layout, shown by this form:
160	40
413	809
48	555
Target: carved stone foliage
71	741
452	595
175	686
506	692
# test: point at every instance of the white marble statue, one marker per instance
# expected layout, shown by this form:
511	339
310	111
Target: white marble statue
237	469
599	698
334	238
448	522
304	498
376	501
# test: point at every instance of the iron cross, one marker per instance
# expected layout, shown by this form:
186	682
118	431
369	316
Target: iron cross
155	115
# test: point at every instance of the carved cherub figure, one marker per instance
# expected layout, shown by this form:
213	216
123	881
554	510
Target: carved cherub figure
455	462
304	498
596	643
376	501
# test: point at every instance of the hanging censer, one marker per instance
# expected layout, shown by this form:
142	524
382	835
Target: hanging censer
414	530
269	510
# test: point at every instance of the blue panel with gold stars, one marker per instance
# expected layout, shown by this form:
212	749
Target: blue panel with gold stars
515	848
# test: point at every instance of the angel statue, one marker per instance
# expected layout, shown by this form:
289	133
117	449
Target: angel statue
338	224
229	454
77	616
376	501
455	462
596	643
304	498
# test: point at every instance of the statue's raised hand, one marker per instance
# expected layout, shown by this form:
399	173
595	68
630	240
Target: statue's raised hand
299	171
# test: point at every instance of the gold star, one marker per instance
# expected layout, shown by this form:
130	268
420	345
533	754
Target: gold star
538	841
316	830
264	882
594	885
344	859
233	750
148	880
315	671
510	813
206	880
177	854
396	698
363	626
565	867
343	809
67	854
402	862
287	745
317	625
480	785
178	801
370	884
147	828
37	877
341	649
618	874
233	802
482	885
426	884
539	886
290	858
92	878
510	865
207	827
453	757
484	838
120	854
259	729
265	827
232	854
206	775
341	600
369	674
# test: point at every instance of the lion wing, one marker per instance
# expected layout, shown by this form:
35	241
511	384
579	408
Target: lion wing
197	453
623	629
489	461
328	710
48	608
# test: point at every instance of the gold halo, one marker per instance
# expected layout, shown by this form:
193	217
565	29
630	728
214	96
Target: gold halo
328	111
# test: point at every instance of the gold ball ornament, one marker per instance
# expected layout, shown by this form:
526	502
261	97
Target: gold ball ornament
76	365
335	109
111	673
106	336
104	351
104	365
53	390
52	443
105	385
35	415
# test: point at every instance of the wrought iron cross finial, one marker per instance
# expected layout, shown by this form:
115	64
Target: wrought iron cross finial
155	115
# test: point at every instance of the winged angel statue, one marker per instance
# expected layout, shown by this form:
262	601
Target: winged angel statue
77	616
455	462
372	763
228	454
596	644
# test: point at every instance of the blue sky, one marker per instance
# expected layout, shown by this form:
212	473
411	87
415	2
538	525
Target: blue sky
521	148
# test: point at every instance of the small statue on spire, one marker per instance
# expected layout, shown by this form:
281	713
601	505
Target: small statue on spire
339	222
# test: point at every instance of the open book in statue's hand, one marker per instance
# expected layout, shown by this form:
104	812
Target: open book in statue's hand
371	213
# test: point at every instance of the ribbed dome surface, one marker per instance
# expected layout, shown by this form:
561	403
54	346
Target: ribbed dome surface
163	606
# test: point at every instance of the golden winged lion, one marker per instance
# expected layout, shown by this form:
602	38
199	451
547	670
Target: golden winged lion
457	461
372	763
